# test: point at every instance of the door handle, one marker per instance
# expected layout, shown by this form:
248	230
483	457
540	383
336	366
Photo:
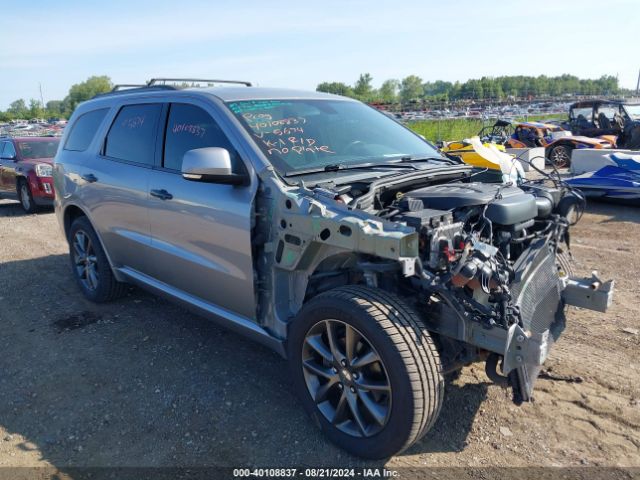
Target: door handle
161	194
89	177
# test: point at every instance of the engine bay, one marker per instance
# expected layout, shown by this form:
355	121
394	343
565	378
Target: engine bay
489	254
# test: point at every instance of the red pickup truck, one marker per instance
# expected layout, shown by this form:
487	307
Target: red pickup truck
25	170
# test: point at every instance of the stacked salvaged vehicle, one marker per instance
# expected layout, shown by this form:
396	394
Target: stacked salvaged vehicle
599	124
597	118
329	232
557	142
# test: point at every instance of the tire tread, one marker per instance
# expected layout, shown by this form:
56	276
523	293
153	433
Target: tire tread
415	345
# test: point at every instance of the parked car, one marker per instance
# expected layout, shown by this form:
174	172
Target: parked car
593	118
25	170
557	142
327	231
463	149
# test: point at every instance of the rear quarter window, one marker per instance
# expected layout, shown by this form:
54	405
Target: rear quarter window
132	136
84	129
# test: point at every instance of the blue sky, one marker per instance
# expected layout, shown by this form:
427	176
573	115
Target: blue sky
299	44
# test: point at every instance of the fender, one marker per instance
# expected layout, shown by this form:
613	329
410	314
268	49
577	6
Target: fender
67	224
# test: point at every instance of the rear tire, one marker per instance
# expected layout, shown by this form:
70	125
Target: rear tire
560	156
89	264
25	196
406	361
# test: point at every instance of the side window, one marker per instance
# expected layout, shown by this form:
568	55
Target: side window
2	144
132	136
9	150
84	129
190	127
582	114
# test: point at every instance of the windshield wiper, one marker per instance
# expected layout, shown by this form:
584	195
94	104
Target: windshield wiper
409	159
334	167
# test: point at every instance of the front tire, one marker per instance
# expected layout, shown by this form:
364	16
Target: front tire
89	264
366	369
25	196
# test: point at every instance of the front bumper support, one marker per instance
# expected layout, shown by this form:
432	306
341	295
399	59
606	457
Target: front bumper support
590	293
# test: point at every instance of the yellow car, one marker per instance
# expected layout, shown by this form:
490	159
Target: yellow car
468	154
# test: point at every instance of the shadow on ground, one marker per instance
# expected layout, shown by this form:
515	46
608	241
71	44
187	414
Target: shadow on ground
10	207
141	382
614	212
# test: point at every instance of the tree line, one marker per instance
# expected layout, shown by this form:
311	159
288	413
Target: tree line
413	89
21	109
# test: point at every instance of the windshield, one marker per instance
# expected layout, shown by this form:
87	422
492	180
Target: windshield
303	135
633	111
38	149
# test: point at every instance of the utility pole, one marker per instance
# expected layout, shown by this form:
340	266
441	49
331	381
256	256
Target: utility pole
41	97
638	84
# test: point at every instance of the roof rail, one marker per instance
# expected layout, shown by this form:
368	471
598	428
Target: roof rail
161	84
124	86
133	89
163	81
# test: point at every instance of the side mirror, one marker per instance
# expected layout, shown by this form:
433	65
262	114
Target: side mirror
211	164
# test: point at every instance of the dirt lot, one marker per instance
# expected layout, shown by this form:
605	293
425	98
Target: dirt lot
141	382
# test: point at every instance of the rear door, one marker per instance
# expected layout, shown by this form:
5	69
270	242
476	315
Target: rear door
201	232
115	184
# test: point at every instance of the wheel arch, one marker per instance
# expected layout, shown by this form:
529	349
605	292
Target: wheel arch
69	215
328	271
21	177
72	212
301	284
323	268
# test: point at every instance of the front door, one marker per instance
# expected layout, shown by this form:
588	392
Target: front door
9	162
201	232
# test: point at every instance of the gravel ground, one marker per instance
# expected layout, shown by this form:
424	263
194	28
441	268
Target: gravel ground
142	382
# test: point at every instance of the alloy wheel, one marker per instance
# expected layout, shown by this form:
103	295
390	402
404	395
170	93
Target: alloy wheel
560	157
85	260
346	378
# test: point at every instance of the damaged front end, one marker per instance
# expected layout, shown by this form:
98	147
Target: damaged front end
541	292
495	273
486	265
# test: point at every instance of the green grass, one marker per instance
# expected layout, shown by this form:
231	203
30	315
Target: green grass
460	128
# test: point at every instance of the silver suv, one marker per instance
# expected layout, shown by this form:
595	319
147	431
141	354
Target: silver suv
329	232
